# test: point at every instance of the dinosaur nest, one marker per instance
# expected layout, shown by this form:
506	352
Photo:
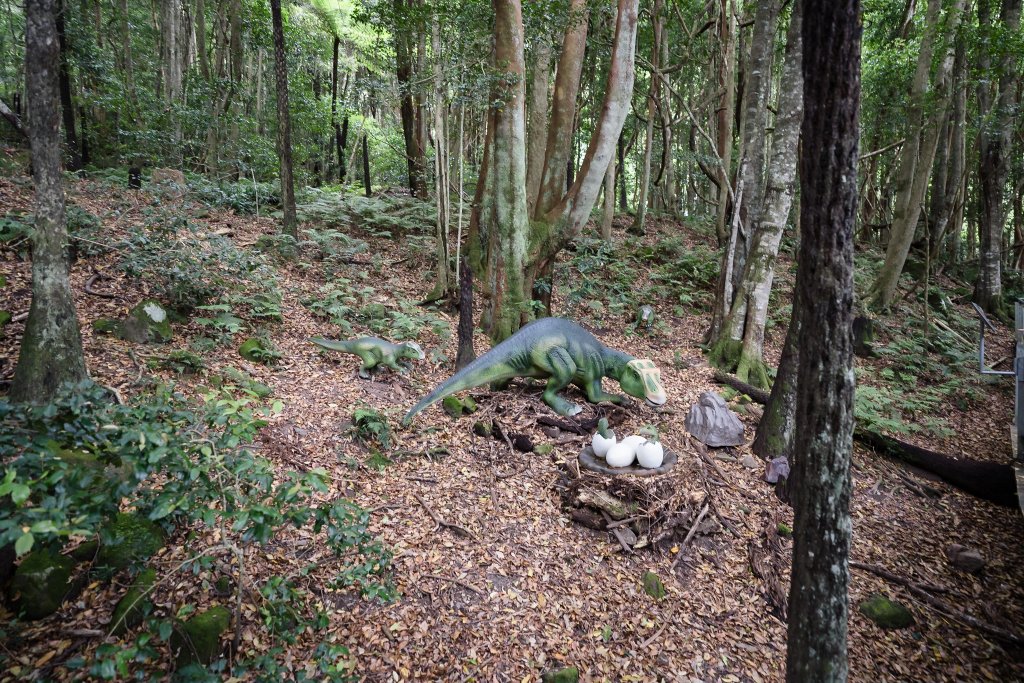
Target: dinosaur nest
664	512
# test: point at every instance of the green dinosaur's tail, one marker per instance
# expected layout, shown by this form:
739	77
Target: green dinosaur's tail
332	344
481	371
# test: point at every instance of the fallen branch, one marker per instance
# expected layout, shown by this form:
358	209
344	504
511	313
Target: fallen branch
461	531
12	118
964	618
91	281
759	395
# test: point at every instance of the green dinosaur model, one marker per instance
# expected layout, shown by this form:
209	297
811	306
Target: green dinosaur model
566	354
374	352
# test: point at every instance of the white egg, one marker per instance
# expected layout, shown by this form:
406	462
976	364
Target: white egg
621	454
634	441
650	454
601	444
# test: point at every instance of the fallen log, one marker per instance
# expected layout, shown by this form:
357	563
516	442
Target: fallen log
989	481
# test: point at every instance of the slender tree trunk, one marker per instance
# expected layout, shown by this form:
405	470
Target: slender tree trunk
51	348
442	285
366	166
923	126
465	354
994	157
609	203
563	109
410	120
335	125
204	60
740	346
284	126
818	604
537	131
637	228
775	432
620	147
724	115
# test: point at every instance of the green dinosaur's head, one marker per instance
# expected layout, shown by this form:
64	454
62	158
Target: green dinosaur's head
411	349
641	378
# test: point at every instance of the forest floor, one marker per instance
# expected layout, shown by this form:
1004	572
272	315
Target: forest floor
517	587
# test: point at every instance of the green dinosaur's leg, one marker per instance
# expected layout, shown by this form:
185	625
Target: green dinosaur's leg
562	370
393	364
369	363
595	394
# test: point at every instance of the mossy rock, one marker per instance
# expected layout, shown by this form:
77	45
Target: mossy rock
104	326
255	350
129	539
653	586
132	607
197	641
245	381
40	584
482	428
886	613
569	674
456	407
543	448
148	322
5	317
373	312
85	552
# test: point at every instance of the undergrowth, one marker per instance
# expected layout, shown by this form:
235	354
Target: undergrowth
71	465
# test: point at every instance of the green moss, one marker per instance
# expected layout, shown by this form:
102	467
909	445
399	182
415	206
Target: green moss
197	641
104	326
129	539
147	322
250	349
569	674
543	448
40	584
653	586
132	607
886	613
453	406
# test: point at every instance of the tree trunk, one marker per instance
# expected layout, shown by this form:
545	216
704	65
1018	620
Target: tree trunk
818	607
537	131
67	106
507	220
284	126
366	166
465	354
620	147
756	91
922	132
442	285
171	39
563	109
994	155
609	203
740	346
51	348
726	60
413	148
204	60
775	432
637	228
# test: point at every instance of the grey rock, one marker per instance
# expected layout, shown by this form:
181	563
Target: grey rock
711	421
750	462
777	469
965	559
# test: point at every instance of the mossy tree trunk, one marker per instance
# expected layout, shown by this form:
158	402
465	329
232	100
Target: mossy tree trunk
537	130
818	602
517	254
739	347
51	349
774	435
746	203
505	209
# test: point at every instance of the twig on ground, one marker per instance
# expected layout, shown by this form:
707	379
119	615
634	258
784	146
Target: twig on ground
457	582
689	535
462	531
654	636
96	275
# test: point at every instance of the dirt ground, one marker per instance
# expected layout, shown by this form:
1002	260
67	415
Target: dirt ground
527	589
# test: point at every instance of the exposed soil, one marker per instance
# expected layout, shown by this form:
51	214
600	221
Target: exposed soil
528	589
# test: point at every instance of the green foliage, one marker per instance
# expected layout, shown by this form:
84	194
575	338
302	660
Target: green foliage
371	427
180	361
243	197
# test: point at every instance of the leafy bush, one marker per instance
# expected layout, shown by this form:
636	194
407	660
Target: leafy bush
242	197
